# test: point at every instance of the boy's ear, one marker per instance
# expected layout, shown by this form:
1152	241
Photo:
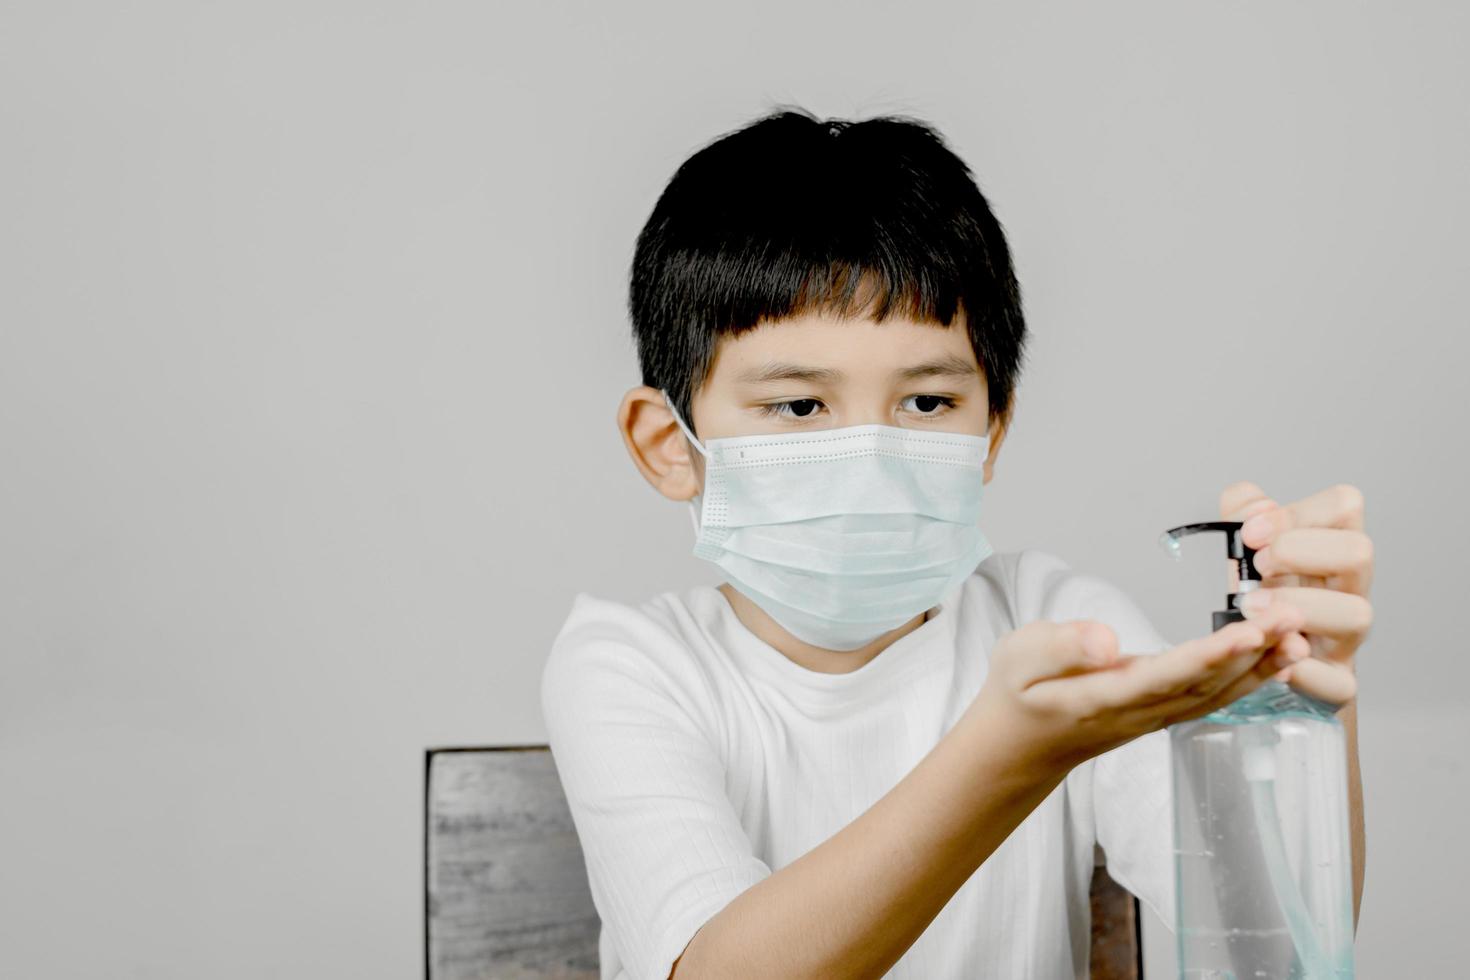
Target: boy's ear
999	426
657	444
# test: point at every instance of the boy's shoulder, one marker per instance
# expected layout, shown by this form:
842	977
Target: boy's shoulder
652	644
655	624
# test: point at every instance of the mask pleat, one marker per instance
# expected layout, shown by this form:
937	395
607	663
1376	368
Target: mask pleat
861	485
925	545
886	597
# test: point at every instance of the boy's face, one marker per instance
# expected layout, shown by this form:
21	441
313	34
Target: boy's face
900	372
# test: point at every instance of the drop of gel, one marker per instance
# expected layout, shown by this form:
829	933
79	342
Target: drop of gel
1170	544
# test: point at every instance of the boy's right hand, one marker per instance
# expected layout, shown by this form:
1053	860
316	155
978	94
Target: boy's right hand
1061	693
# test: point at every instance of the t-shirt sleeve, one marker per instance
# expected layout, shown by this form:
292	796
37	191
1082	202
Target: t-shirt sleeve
664	848
1132	798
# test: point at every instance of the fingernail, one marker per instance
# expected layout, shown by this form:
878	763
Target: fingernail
1254	602
1258	528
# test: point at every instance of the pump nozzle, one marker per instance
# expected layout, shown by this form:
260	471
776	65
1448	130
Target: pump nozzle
1236	549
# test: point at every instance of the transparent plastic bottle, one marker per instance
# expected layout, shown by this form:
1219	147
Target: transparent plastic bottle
1263	863
1262	856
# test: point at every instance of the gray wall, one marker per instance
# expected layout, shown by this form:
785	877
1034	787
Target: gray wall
312	330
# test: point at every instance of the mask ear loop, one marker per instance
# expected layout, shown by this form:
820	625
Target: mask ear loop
693	510
669	402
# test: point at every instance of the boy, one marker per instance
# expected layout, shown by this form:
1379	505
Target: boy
879	748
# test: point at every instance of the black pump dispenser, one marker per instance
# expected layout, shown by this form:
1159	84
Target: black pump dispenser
1236	549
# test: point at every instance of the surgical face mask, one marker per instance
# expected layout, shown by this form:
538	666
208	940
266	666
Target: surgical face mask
841	535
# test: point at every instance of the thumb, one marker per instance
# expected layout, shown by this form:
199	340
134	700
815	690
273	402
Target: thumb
1042	650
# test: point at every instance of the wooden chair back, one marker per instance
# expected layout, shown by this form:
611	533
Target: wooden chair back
505	884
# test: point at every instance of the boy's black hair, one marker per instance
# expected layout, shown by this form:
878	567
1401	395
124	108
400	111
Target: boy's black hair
792	214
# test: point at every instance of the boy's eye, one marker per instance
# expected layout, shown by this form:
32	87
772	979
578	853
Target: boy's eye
930	404
802	408
805	411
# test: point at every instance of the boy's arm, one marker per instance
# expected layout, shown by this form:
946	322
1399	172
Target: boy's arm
634	739
1056	695
854	904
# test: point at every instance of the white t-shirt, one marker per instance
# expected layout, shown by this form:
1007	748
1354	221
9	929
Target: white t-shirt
697	759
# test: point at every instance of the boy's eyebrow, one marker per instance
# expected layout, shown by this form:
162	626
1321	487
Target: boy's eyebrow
773	371
950	365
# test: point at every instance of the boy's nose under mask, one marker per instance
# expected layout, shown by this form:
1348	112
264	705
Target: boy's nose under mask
841	535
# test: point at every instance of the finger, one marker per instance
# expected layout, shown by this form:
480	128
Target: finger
1241	499
1184	709
1291	649
1200	665
1333	683
1043	650
1328	612
1239	502
1328	552
1236	679
1339	506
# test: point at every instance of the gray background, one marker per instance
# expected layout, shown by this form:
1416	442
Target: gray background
312	331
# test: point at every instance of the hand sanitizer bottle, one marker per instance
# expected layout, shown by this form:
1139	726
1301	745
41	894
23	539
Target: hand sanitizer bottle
1263	869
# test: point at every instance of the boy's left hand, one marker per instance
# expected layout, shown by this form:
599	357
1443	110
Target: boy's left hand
1313	554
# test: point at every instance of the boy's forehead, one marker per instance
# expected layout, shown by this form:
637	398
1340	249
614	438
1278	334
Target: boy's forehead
843	348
